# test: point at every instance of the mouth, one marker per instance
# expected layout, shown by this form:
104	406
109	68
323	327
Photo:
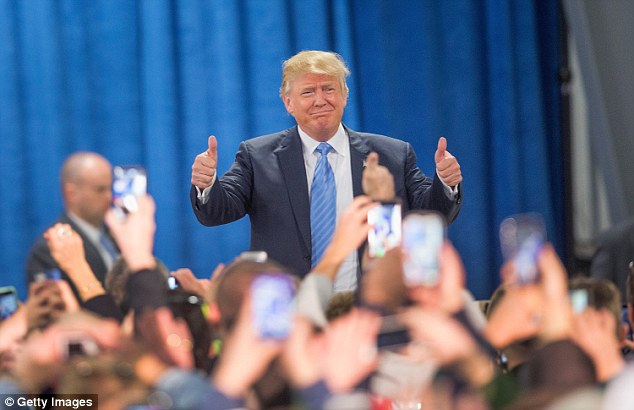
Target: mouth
321	113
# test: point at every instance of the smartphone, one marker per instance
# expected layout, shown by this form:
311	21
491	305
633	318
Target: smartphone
8	301
392	334
423	235
53	274
385	231
254	256
128	183
172	283
522	237
79	344
579	299
273	305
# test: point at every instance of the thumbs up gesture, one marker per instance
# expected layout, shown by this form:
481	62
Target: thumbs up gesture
204	167
447	165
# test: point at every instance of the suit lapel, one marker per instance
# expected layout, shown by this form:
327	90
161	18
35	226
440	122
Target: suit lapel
291	160
358	153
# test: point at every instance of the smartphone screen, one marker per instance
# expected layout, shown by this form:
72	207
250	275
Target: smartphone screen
254	256
128	183
522	237
579	299
273	305
385	232
53	274
172	283
423	236
8	301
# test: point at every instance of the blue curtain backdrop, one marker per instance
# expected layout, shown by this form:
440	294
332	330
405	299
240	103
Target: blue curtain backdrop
145	82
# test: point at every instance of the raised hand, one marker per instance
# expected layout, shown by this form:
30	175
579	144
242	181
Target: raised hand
447	165
377	181
204	167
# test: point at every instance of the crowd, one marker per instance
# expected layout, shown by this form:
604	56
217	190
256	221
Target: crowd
136	342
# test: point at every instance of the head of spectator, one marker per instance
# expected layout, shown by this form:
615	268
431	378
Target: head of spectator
189	308
117	278
86	183
272	388
603	296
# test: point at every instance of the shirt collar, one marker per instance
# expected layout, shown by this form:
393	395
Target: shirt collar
89	230
337	142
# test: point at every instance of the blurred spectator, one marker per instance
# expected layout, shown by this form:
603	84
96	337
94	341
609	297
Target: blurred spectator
86	184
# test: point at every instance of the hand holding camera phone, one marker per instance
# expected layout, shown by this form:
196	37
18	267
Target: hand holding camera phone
423	235
273	306
522	237
129	183
385	232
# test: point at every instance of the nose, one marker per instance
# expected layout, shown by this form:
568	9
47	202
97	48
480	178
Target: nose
320	98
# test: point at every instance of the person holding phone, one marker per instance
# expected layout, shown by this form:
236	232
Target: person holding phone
86	182
294	184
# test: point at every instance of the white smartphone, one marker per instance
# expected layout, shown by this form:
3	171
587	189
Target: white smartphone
128	183
385	232
273	305
423	235
522	237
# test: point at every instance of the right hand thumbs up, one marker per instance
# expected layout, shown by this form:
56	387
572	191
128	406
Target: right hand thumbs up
204	167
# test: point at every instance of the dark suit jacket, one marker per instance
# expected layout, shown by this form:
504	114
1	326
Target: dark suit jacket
40	259
267	181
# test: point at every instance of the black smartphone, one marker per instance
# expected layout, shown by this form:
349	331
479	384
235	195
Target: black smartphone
8	301
393	335
273	305
79	344
423	235
385	232
128	183
522	237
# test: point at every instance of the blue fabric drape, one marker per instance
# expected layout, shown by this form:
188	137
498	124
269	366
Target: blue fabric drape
146	82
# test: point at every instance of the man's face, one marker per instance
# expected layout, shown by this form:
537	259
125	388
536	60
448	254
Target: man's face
91	195
317	102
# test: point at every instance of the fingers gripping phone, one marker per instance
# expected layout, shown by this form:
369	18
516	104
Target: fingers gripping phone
522	237
385	232
423	236
273	305
128	183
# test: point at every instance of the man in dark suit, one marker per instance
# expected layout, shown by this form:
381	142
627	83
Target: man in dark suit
274	175
86	182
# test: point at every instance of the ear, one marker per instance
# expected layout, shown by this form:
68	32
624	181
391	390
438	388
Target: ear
288	103
630	314
68	191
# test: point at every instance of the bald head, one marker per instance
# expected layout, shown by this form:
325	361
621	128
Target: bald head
86	180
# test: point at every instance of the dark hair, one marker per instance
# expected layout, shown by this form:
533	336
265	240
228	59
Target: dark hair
189	308
602	294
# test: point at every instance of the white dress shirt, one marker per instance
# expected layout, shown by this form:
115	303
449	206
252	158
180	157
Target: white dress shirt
339	159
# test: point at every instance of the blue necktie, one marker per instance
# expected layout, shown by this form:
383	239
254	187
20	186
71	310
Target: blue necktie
323	204
108	246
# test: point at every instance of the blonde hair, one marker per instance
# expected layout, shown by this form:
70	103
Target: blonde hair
315	62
